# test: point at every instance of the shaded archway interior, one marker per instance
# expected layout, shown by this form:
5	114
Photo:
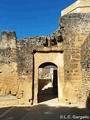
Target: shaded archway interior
47	81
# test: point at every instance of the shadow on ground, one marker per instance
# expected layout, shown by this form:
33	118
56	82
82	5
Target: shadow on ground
46	95
44	112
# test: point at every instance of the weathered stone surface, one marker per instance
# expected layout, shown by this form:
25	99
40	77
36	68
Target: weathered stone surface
80	6
68	48
85	61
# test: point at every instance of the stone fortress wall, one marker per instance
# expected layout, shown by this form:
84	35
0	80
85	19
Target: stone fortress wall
75	29
17	60
85	62
16	64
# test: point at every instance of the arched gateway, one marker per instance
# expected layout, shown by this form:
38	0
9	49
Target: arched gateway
53	62
47	81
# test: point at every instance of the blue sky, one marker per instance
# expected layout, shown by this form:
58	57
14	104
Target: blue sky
31	17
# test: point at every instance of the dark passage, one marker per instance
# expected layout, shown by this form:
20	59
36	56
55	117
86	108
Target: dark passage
88	102
47	83
55	85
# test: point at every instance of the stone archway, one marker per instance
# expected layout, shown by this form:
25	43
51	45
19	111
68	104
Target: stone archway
47	82
56	58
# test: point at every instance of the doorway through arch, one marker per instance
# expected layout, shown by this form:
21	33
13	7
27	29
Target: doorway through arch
47	81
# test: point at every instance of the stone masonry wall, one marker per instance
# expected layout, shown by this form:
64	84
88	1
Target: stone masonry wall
16	59
74	29
85	61
8	65
16	65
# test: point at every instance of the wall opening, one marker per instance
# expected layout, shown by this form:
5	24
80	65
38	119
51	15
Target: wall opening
47	82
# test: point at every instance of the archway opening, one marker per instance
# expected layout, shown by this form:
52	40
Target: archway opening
47	82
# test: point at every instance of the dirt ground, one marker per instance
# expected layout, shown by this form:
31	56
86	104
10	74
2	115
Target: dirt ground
45	111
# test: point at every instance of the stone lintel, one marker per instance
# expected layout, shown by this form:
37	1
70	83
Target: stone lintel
48	49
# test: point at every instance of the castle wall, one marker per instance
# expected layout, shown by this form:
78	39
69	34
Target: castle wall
8	65
20	59
75	29
25	49
16	65
85	61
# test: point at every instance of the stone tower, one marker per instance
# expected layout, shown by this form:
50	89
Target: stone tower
80	6
8	39
75	26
